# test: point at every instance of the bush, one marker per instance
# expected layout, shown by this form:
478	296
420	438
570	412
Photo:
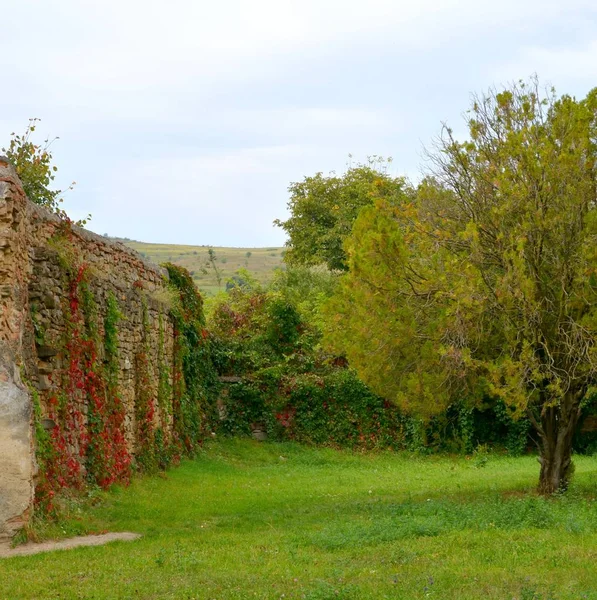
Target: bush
33	164
298	392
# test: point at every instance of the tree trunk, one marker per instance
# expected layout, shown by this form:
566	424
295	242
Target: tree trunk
558	424
556	469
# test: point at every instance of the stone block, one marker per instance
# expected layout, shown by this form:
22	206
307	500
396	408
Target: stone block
16	460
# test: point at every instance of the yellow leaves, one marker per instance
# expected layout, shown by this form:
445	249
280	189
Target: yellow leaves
471	232
458	287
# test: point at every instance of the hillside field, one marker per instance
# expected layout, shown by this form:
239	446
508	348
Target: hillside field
260	262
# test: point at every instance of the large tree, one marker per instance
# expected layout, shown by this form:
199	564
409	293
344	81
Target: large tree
486	284
323	209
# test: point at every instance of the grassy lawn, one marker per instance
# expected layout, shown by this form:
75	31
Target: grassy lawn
249	520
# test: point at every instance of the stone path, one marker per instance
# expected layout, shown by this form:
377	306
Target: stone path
88	540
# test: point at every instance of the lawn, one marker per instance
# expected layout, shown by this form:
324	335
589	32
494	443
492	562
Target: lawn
249	520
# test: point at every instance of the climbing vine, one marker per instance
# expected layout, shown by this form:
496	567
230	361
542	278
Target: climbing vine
45	455
194	378
144	401
80	415
85	443
69	436
108	458
164	377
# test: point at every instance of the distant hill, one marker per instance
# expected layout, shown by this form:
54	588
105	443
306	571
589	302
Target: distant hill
261	262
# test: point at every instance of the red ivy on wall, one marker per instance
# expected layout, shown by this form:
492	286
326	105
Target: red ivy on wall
87	443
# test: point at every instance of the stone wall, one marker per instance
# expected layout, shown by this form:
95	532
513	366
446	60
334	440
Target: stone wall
36	253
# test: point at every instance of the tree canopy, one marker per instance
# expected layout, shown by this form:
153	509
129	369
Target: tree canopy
485	283
323	210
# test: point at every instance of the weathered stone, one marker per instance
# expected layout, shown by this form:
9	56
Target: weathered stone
49	300
32	275
44	383
46	351
48	424
16	465
44	368
230	379
259	433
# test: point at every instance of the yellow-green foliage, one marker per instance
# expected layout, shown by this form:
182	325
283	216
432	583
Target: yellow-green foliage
323	209
484	284
33	164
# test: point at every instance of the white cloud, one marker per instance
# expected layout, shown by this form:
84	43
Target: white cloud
140	45
566	67
187	119
201	198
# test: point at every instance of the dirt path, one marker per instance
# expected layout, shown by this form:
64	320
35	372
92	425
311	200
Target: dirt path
88	540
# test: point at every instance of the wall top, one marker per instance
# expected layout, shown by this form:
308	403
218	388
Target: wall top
8	173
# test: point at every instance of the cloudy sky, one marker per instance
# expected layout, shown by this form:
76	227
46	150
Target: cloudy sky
184	121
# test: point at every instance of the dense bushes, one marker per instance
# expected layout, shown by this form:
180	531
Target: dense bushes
294	390
194	377
329	409
337	409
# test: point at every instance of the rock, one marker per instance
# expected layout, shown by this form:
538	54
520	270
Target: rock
48	424
49	300
44	383
45	368
259	433
46	351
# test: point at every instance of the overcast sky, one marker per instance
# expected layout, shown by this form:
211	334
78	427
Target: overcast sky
184	121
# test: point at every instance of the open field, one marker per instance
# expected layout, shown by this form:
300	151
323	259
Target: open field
261	262
249	520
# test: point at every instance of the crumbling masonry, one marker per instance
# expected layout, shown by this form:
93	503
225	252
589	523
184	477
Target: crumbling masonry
33	302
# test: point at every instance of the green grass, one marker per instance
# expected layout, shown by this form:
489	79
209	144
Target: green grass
260	262
249	520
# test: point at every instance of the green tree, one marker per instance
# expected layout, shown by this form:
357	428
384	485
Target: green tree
323	210
33	164
307	288
486	284
211	264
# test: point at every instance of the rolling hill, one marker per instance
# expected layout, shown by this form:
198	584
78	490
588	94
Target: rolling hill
261	262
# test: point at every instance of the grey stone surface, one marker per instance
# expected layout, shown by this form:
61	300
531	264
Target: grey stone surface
16	465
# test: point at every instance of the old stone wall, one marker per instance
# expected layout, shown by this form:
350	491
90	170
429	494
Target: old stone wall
49	362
